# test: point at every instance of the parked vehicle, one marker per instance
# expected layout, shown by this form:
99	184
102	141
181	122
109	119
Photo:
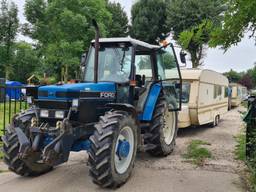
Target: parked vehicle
126	102
204	97
245	93
236	95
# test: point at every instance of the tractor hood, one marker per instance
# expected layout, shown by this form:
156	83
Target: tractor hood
70	91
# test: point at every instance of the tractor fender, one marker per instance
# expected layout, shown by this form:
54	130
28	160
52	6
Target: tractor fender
151	101
25	115
124	107
130	109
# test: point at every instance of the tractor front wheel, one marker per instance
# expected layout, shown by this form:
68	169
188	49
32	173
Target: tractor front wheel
15	164
113	149
163	129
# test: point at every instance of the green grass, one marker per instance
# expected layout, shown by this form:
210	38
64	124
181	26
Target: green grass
240	148
197	153
244	104
240	154
10	109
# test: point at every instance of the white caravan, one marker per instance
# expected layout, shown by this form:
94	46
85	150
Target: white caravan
204	97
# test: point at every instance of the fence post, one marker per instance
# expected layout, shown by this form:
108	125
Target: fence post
2	84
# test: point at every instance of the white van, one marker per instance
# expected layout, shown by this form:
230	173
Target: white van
204	97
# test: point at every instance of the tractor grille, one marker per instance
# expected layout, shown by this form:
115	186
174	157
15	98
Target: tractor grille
77	94
48	104
89	94
67	94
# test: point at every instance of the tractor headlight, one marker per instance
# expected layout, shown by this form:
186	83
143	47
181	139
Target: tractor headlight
59	114
44	113
75	102
29	100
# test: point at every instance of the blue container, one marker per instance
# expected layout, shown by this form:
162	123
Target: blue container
13	91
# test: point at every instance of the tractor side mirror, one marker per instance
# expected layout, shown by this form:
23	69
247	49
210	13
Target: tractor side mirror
183	57
83	59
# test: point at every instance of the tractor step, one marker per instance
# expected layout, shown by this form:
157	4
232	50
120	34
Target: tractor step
146	147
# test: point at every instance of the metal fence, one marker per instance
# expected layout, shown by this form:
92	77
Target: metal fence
12	101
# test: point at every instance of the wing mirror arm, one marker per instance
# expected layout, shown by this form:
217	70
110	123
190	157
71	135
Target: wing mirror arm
183	58
83	59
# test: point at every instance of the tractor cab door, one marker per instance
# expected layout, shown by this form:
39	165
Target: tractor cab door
169	74
144	77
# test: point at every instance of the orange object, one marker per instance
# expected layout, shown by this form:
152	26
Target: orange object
132	83
164	43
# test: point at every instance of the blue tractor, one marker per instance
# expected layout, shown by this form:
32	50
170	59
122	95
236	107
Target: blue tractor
126	102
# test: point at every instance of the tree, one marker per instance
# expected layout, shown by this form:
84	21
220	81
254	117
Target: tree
195	40
246	81
191	22
9	24
252	74
119	23
148	20
62	29
233	76
25	61
238	19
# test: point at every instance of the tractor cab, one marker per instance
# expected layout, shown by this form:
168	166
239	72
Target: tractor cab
134	67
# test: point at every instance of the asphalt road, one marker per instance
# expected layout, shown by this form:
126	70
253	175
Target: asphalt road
171	174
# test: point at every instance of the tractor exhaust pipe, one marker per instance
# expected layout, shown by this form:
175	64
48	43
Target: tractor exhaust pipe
97	46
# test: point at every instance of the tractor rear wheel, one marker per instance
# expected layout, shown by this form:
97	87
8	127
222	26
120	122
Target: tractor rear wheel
163	129
113	149
11	157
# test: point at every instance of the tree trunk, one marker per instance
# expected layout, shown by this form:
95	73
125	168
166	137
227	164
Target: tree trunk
66	73
194	59
8	67
196	56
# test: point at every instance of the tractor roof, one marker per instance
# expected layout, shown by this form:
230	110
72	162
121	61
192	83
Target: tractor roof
128	40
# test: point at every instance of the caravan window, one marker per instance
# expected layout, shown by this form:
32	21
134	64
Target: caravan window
239	93
217	91
185	92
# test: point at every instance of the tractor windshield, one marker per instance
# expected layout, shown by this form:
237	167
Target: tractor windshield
114	64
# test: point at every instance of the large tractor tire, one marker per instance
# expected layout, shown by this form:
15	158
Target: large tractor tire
113	149
163	129
11	152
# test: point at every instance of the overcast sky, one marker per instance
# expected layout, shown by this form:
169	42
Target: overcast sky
239	58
